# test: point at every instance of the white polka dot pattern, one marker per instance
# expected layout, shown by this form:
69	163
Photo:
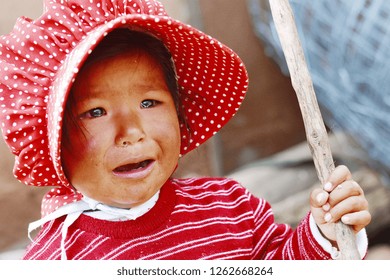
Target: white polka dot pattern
40	59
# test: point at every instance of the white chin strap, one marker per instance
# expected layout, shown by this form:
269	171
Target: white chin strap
92	208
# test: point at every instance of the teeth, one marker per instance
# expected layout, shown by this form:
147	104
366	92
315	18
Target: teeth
139	166
130	167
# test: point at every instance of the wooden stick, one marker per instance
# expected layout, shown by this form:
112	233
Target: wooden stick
316	133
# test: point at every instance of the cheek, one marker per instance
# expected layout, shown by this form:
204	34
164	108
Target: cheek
169	130
165	131
79	154
80	165
173	143
72	158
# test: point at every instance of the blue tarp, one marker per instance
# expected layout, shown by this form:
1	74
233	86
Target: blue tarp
347	47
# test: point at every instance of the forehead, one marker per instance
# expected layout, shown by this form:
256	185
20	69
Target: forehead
130	59
132	68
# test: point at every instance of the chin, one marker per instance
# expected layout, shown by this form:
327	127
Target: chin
126	204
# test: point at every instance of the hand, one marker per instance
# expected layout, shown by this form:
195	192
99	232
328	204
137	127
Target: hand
341	198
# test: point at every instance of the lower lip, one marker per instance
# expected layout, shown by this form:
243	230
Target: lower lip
136	173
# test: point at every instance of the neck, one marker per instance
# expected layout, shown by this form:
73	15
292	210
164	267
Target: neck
105	212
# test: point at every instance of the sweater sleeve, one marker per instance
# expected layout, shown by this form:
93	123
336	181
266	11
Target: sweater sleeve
361	241
273	241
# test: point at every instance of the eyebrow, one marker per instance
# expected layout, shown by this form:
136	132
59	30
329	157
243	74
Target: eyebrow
102	94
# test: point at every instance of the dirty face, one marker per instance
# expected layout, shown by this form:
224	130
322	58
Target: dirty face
126	141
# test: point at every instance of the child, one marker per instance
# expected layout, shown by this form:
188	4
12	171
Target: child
101	99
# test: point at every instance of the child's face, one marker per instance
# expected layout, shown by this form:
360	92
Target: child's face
128	141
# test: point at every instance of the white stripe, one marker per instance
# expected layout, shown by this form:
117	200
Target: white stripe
69	220
90	247
265	238
41	235
57	253
180	208
71	241
196	243
48	243
233	254
206	194
209	184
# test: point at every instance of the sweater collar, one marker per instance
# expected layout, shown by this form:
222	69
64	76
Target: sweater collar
141	226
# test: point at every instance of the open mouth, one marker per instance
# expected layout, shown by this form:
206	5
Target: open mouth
133	166
134	169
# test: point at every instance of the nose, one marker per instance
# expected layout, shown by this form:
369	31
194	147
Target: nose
129	130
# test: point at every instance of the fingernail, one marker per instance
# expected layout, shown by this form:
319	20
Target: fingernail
326	207
327	217
345	219
321	198
328	186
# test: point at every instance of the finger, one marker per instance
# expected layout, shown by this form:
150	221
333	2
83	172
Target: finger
318	215
338	176
349	205
343	191
357	220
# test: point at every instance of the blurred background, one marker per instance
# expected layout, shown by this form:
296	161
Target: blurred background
264	145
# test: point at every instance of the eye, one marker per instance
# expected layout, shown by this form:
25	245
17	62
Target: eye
148	103
94	113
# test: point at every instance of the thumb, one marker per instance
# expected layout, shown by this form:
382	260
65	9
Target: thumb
318	198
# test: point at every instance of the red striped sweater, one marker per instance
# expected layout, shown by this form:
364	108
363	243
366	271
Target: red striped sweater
199	218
